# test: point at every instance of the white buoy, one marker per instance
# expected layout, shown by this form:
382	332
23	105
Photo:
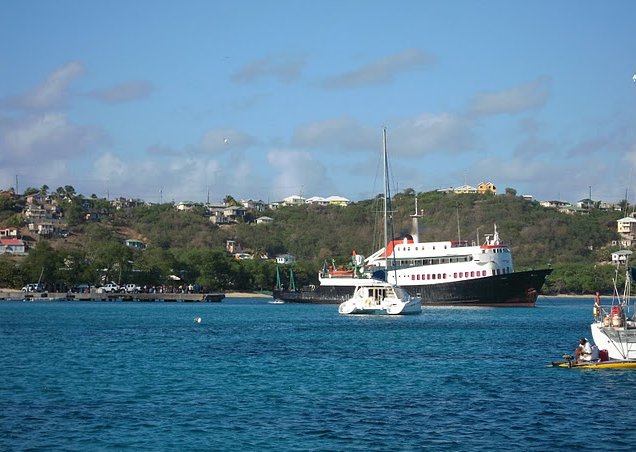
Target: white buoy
197	320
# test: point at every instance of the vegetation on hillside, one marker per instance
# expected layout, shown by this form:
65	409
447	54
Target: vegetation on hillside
189	246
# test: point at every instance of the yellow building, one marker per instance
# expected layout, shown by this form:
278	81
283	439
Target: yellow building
486	187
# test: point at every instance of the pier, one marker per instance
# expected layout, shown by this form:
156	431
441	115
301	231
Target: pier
95	296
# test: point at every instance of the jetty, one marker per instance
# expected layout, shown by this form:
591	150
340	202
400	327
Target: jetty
97	296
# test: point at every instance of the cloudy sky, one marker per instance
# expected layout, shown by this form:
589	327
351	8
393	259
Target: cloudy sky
184	100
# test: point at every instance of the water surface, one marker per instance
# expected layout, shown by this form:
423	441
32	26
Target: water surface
257	376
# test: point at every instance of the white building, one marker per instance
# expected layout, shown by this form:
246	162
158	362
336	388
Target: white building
285	259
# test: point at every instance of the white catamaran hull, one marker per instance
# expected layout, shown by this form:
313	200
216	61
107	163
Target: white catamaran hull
620	342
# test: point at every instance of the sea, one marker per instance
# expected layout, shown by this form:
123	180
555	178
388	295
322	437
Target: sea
255	376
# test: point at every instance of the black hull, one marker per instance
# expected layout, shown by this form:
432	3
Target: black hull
514	290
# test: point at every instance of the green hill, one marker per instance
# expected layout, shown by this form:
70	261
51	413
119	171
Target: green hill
188	245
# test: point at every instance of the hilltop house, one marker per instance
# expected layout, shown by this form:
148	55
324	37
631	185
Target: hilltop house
12	246
137	244
294	200
9	233
285	259
486	187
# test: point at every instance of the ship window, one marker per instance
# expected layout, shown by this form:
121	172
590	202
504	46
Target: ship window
483	251
461	274
418	277
428	276
439	276
444	275
455	275
472	274
433	275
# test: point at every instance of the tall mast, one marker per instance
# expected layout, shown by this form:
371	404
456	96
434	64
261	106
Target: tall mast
386	189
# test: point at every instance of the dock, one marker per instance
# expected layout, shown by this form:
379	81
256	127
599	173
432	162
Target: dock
96	296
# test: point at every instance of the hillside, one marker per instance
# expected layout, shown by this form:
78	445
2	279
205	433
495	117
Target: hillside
184	242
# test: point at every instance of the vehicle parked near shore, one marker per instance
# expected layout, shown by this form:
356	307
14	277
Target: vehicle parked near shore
82	288
132	288
35	287
110	288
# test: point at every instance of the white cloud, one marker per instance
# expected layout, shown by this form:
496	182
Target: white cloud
381	70
124	92
224	139
428	132
284	69
52	92
335	134
46	137
520	98
296	171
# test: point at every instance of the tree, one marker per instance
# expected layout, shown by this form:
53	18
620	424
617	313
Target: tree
409	192
511	191
42	264
230	201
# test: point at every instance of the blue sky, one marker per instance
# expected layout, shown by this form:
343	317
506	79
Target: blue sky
181	100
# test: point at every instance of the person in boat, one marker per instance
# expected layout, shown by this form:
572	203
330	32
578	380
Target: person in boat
584	351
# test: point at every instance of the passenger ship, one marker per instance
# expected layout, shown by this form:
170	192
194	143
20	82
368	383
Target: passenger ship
449	273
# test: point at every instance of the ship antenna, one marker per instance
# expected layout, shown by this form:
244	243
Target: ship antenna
459	233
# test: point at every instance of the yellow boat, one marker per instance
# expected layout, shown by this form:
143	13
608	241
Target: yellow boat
610	364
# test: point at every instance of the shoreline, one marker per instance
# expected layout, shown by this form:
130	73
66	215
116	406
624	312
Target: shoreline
14	294
247	295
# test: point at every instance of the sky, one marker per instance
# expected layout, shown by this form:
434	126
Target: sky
196	100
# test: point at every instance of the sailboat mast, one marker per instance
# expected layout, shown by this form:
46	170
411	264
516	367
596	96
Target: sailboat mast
386	189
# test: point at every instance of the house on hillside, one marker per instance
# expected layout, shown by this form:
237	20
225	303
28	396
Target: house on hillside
9	233
294	200
486	187
465	189
626	228
285	259
554	204
264	220
233	213
12	246
258	206
136	244
620	257
338	201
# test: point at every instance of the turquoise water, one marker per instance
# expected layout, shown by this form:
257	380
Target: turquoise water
257	376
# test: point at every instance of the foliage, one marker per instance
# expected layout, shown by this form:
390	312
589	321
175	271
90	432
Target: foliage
187	245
